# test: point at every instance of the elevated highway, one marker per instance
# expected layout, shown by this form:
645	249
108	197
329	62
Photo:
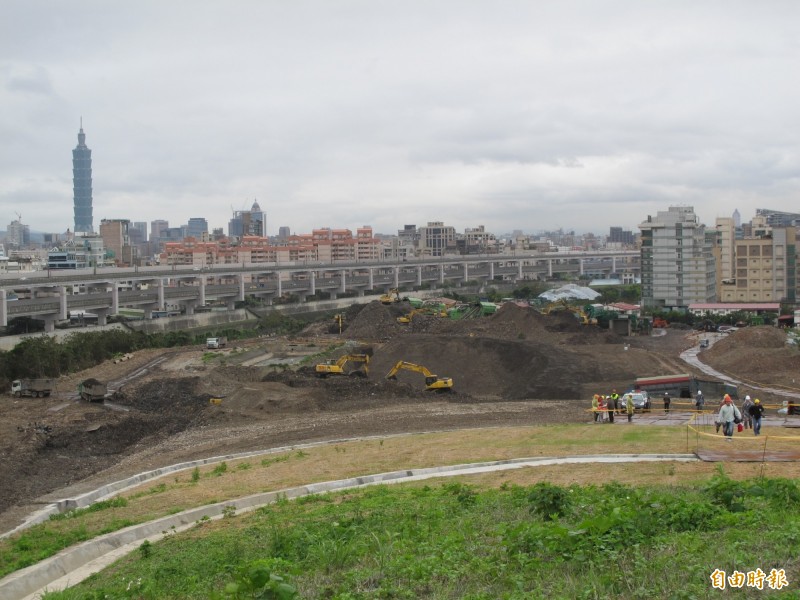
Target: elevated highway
51	295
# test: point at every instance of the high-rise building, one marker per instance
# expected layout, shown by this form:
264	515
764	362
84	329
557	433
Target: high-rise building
617	235
678	266
116	241
726	236
82	184
196	227
18	236
157	232
138	232
248	222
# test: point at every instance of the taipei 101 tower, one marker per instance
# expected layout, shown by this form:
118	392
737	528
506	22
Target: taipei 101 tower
82	184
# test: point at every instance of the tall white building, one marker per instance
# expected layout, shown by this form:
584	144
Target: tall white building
726	237
678	266
18	236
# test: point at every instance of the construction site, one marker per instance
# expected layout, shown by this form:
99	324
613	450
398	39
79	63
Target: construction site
379	368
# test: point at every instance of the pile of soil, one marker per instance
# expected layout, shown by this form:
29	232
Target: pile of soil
758	354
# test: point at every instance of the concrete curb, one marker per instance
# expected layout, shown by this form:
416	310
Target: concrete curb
73	565
117	487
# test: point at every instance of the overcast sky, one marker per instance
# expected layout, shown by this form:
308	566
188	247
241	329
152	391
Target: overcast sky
525	114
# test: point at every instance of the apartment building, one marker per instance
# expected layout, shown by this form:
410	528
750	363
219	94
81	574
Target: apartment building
321	245
765	267
678	265
114	233
437	239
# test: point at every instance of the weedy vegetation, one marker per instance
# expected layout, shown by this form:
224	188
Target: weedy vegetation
455	540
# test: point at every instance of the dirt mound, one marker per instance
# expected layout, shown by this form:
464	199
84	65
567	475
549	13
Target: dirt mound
759	354
374	322
487	367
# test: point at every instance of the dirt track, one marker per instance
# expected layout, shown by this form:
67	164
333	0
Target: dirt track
515	367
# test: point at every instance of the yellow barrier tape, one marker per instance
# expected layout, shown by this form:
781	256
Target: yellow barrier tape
761	439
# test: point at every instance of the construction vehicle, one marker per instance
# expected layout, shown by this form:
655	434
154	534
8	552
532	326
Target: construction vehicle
660	323
336	366
487	308
215	343
425	310
390	297
92	390
464	311
36	388
406	319
433	383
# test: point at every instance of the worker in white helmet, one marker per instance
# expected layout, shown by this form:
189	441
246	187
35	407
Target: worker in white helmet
747	418
699	400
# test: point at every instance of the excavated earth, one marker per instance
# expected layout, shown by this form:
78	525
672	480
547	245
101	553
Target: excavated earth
512	368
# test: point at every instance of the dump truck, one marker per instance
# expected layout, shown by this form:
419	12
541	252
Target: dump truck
92	390
215	343
35	388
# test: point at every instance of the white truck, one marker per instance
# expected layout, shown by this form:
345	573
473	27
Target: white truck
36	388
215	343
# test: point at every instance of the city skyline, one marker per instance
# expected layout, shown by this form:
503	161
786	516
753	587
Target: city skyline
525	117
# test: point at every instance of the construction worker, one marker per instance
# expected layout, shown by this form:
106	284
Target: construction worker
595	407
615	400
728	415
756	412
611	408
699	400
747	418
666	403
630	408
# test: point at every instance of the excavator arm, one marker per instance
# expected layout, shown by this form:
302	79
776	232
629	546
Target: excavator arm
331	367
432	382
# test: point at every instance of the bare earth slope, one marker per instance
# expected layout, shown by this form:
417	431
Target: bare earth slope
514	367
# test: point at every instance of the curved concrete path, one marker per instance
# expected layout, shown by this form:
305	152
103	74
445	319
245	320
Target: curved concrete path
73	565
692	357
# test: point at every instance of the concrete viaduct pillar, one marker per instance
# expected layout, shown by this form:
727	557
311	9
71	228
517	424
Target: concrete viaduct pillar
62	302
419	275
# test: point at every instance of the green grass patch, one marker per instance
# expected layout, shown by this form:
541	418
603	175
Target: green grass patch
454	540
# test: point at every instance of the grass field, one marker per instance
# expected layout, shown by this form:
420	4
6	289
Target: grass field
683	487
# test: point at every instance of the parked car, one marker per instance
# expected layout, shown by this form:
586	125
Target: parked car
641	401
704	343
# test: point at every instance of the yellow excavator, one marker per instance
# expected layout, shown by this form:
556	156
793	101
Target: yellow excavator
433	383
425	310
335	366
391	296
